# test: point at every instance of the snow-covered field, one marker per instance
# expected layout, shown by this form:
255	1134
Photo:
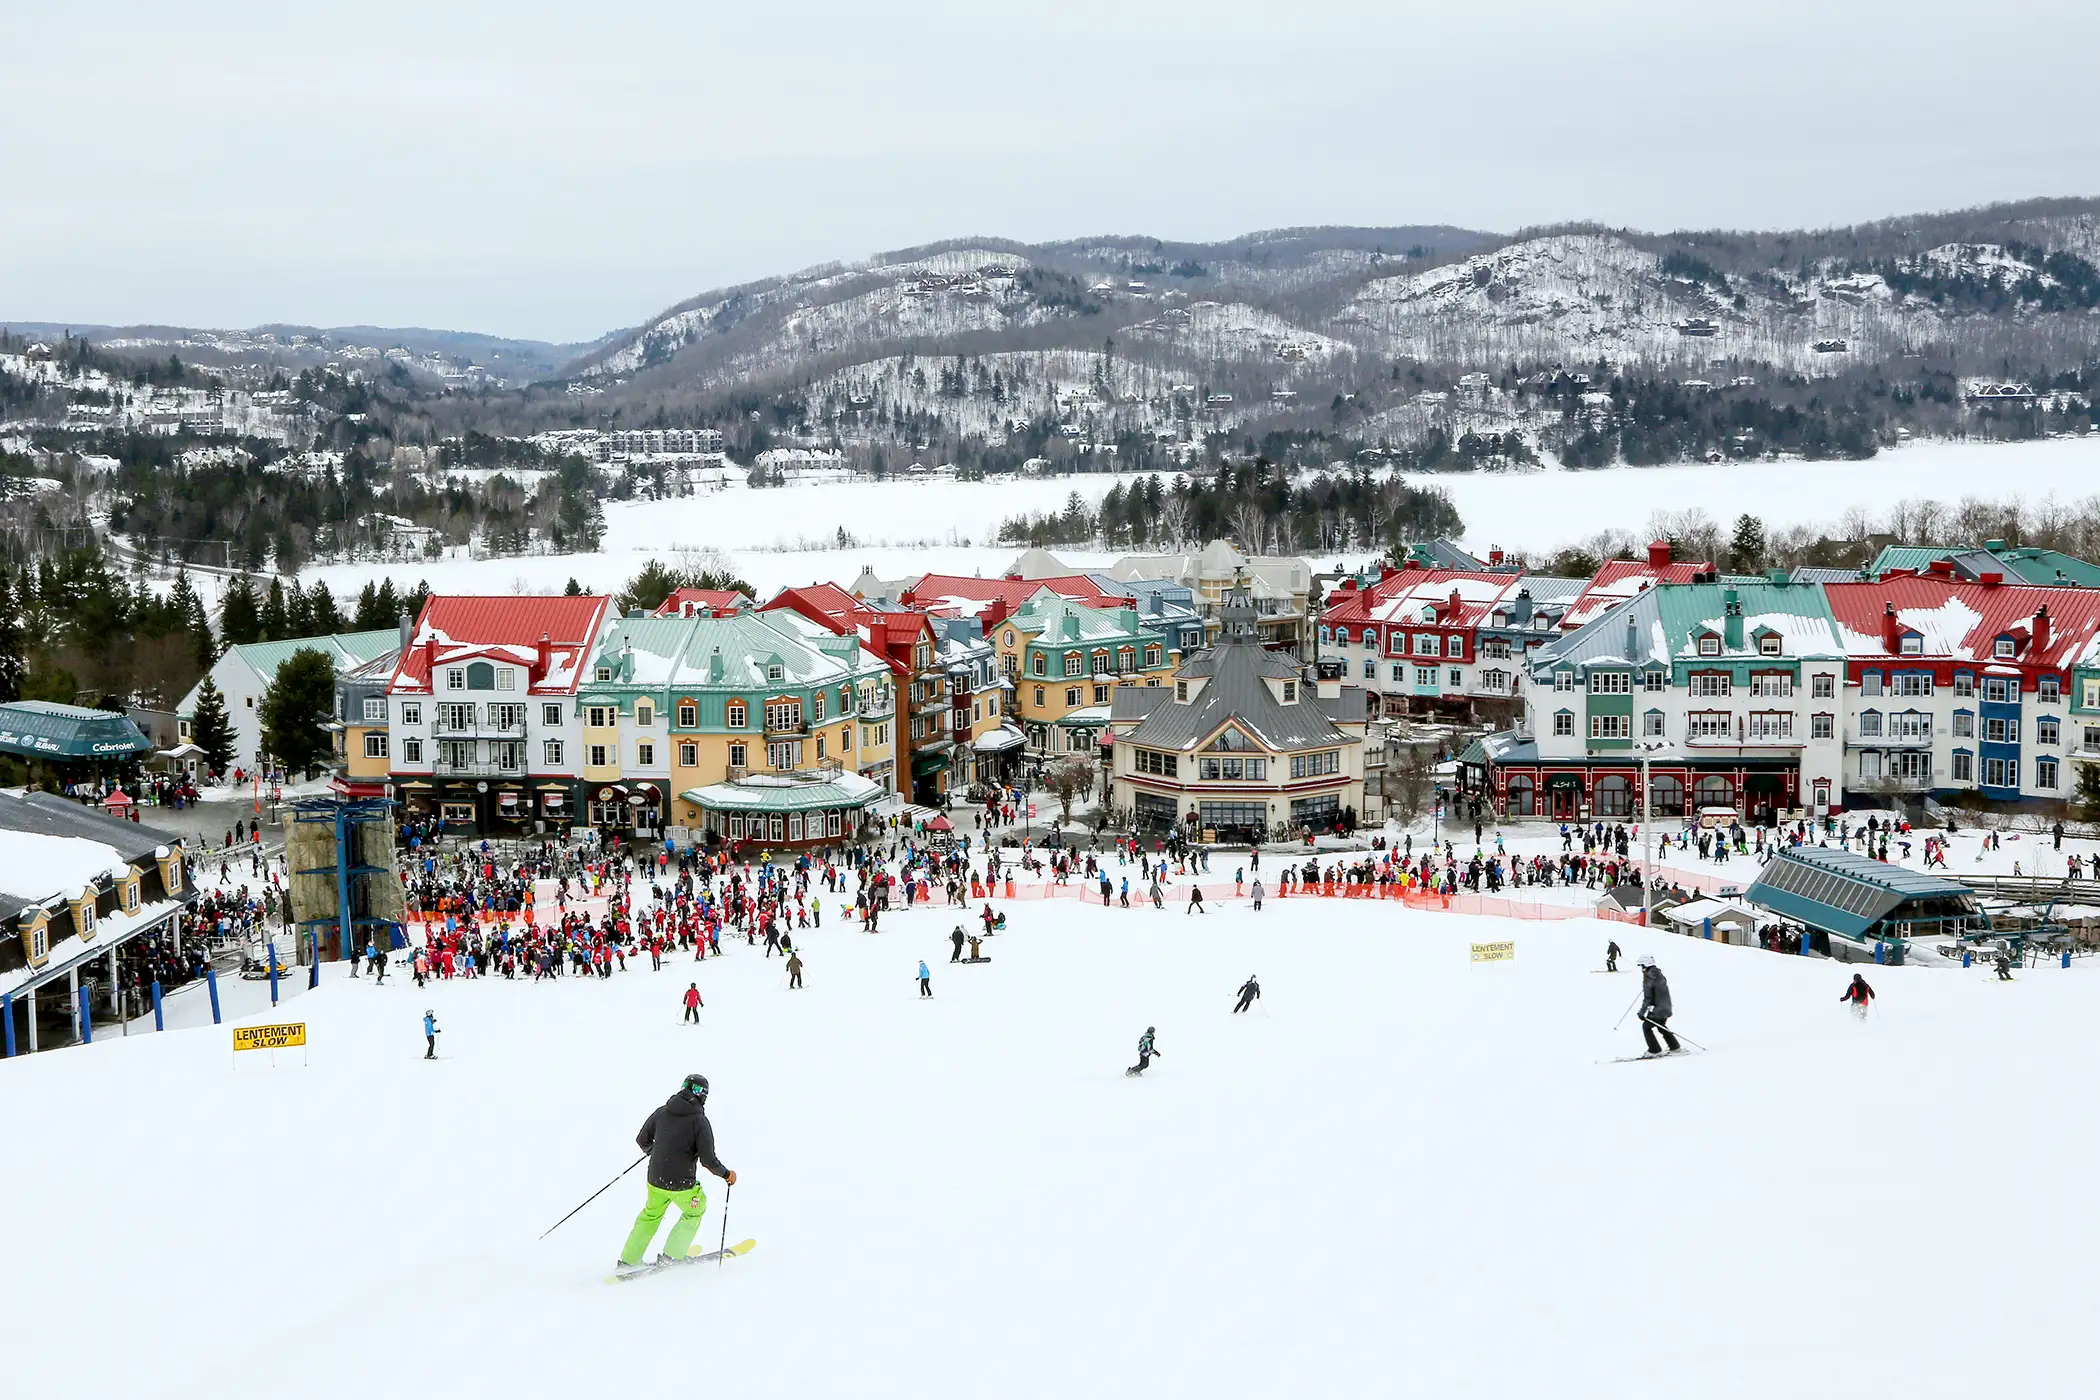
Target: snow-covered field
776	538
1403	1172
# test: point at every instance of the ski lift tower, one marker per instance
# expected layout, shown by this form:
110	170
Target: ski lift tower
358	887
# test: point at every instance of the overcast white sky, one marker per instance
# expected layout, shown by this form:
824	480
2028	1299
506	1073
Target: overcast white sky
556	170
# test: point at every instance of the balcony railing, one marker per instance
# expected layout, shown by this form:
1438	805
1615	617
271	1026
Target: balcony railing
479	729
794	728
480	768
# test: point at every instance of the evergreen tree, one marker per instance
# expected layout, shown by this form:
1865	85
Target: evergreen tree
14	658
368	618
2087	798
240	621
186	615
325	618
389	605
273	622
1746	554
211	730
295	710
299	612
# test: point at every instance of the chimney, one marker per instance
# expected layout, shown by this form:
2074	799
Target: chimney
1659	554
544	658
408	633
1732	620
1994	546
1941	568
1990	580
1494	557
2041	629
714	664
1015	578
1891	630
1386	571
627	659
1633	637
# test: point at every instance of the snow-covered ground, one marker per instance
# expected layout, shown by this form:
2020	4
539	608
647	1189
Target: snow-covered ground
775	538
1403	1170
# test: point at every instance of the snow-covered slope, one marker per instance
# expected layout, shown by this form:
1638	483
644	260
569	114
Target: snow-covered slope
1402	1173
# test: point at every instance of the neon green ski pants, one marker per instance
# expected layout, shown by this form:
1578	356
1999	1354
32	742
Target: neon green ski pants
692	1204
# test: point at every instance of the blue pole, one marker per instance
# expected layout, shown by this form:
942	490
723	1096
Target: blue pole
269	951
345	928
1965	958
2067	957
7	1014
211	984
87	1021
158	1023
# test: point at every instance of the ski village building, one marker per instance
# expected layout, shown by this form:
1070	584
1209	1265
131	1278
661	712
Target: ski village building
1770	696
244	673
482	713
1066	662
1239	743
746	725
920	735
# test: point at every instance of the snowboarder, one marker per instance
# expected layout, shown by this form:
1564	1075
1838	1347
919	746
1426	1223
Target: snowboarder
1859	994
678	1139
1146	1050
693	1003
1611	956
430	1035
2004	966
794	971
1249	990
925	980
1655	1007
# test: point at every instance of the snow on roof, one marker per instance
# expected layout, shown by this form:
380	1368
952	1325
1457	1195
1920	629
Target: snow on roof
50	866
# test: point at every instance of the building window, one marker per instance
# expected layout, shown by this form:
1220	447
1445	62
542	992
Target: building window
1822	686
1914	684
597	756
1563	723
1964	684
737	755
375	746
1655	682
2000	691
1163	765
688	715
1710	684
1964	769
1456	679
1611	726
1181	691
1071	695
602	716
2048	731
1652	724
1040	696
817	711
1038	665
1997	772
1564	681
1611	683
1425	675
1072	663
456	678
1769	686
1768	725
1152	656
1290	692
1870	684
644	714
784	754
1426	644
773	671
603	673
2045	774
1870	724
689	755
1371	670
1233	770
1100	695
738	715
2001	731
411	750
1768	644
1709	646
645	755
2002	649
1964	724
2048	690
1911	645
1455	646
1316	765
374	709
1708	724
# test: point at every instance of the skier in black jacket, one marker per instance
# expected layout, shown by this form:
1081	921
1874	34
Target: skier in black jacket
678	1139
1249	990
1655	1007
1611	956
1859	994
1146	1050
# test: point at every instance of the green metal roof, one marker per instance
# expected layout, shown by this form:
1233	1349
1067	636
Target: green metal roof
782	793
43	730
345	649
1845	893
2042	567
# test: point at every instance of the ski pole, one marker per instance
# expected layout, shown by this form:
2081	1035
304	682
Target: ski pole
727	1192
1627	1012
595	1195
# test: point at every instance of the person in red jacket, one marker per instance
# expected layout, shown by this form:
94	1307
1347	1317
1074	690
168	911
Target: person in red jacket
1859	994
693	1002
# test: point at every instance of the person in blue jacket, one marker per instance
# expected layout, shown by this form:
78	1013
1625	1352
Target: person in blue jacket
430	1035
925	980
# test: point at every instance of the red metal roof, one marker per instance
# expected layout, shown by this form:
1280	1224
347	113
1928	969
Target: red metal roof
1400	588
962	595
461	627
1961	621
1621	579
685	601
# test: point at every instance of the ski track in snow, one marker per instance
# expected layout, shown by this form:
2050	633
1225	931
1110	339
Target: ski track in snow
780	537
1401	1171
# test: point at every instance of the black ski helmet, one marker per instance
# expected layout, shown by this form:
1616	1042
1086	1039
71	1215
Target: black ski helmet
696	1085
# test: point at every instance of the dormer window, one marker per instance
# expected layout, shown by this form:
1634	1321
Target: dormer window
1709	646
1181	690
1290	692
1768	644
1914	645
2003	649
773	672
605	673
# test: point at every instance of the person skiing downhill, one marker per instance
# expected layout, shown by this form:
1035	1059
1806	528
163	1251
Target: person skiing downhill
925	980
1655	1007
1249	990
693	1003
678	1139
1858	994
430	1035
1146	1050
1611	956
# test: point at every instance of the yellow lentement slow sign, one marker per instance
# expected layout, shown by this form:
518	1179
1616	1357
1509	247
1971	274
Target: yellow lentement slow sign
280	1037
1494	952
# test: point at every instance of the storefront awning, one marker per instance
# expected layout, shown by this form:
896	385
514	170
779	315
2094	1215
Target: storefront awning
39	729
780	793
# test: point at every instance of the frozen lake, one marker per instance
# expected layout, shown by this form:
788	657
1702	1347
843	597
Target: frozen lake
776	538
